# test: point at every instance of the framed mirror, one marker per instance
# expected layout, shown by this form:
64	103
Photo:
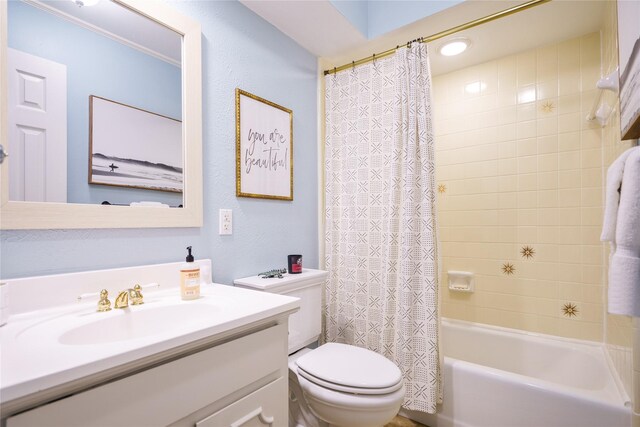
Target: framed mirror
101	115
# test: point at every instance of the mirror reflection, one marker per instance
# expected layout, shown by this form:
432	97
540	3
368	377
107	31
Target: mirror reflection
95	104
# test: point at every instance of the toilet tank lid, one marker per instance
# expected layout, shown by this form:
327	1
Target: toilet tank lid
308	277
350	366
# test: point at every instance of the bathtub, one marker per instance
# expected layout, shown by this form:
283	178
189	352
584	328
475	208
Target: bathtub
498	377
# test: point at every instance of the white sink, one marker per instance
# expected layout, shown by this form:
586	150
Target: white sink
168	316
138	322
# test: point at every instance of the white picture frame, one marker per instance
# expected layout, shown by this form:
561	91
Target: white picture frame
264	148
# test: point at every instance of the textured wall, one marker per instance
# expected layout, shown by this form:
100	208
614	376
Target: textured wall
356	11
386	16
96	65
521	167
375	18
239	50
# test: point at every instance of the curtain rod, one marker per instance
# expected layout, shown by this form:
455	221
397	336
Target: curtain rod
445	33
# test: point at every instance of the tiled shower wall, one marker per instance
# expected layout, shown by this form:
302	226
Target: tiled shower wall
519	172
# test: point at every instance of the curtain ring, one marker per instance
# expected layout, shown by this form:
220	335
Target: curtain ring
374	59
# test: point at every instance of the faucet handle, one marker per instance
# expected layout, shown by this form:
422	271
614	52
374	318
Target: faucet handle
136	296
104	304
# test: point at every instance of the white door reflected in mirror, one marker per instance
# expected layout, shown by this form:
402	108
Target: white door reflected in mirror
37	117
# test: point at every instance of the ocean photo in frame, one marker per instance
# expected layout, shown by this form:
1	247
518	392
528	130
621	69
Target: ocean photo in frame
264	148
132	147
629	68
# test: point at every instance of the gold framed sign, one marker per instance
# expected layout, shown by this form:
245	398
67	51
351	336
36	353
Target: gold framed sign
264	148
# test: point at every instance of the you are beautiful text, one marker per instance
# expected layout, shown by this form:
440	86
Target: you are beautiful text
266	151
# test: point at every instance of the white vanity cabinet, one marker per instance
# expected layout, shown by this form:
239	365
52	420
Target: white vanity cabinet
241	381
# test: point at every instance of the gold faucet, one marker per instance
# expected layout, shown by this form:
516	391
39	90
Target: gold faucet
122	300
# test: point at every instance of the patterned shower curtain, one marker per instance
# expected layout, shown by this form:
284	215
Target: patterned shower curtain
380	218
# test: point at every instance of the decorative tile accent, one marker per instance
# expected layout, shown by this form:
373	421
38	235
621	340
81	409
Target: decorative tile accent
508	268
548	107
442	188
527	252
570	309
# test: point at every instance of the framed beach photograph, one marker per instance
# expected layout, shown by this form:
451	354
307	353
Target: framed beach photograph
629	68
264	148
132	147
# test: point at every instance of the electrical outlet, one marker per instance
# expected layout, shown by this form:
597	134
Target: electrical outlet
226	222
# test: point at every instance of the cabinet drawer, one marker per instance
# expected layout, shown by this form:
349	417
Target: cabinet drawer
264	407
166	393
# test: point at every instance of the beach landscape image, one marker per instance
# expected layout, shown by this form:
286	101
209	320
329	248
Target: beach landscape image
131	147
113	170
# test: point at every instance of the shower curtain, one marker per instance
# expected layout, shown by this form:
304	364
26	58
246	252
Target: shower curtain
380	226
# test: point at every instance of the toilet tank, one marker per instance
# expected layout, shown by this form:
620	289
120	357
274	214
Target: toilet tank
304	325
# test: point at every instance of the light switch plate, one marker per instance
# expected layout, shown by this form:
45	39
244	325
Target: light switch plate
226	222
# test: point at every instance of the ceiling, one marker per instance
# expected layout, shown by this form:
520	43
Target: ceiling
121	24
322	30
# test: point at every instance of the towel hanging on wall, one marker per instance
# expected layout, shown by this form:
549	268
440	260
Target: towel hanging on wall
612	197
624	234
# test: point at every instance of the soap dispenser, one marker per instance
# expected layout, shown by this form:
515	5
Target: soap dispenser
189	278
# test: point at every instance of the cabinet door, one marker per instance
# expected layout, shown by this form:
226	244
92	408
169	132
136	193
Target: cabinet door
261	408
167	393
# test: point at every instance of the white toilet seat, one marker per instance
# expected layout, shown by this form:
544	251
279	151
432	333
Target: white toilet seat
350	369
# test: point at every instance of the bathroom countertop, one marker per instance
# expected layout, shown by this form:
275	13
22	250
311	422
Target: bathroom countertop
38	359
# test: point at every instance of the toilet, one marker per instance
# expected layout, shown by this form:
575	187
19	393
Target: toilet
335	384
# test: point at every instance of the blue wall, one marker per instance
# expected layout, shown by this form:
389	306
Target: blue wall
356	11
374	18
239	50
96	65
388	15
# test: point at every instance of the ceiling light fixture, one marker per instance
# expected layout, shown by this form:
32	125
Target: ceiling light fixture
454	46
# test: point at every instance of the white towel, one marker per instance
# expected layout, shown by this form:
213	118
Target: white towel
624	265
612	197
